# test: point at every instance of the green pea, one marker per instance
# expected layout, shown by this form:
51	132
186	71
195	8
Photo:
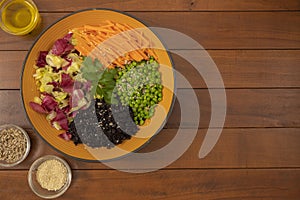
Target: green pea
142	122
146	112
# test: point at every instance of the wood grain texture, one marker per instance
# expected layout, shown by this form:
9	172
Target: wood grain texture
245	108
256	46
242	68
239	68
170	5
167	185
236	148
213	30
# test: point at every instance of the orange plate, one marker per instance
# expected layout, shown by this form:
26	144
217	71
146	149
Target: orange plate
48	133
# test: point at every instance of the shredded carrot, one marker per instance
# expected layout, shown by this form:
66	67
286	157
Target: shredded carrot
99	42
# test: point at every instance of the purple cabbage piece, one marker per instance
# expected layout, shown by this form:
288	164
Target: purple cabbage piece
37	107
61	119
48	103
66	136
41	62
67	83
68	37
63	46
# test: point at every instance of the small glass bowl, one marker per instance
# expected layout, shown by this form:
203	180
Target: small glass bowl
8	164
34	184
15	9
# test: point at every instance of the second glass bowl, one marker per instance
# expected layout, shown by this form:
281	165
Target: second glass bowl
35	185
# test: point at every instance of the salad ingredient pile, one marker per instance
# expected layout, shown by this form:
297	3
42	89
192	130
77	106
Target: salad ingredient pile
95	96
139	86
57	71
116	43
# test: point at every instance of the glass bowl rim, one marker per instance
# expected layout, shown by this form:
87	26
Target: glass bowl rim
27	29
3	126
37	163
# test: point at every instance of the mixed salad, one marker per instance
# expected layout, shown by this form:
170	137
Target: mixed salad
71	85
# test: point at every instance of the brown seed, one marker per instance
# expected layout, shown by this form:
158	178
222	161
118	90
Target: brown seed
12	145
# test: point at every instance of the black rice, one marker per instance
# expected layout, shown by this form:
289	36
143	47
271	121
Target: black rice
103	125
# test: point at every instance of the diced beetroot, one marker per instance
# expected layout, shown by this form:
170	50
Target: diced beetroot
37	107
67	83
41	62
61	119
66	136
49	103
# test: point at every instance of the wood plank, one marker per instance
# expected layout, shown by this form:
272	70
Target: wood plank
167	184
245	108
239	68
219	30
236	148
11	64
170	5
242	68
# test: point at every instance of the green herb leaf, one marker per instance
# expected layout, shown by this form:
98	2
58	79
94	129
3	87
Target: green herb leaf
103	80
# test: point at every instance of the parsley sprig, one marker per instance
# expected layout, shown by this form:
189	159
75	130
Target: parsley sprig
102	79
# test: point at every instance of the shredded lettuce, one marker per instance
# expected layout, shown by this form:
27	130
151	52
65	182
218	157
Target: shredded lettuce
55	61
56	73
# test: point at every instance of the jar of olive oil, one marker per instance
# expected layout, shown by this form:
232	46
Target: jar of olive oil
18	17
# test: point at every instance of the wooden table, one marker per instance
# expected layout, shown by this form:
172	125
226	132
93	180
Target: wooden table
256	46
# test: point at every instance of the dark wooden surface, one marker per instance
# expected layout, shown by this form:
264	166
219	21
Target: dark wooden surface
256	46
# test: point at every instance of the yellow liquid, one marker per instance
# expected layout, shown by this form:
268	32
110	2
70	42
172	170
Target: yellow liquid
19	16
